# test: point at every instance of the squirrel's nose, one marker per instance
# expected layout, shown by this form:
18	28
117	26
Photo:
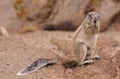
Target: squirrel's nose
95	20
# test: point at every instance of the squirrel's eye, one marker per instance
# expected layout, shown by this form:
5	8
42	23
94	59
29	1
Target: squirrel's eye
89	16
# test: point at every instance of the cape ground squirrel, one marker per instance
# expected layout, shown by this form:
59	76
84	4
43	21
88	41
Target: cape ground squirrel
84	43
85	37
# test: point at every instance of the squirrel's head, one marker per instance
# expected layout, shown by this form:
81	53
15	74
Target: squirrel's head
92	22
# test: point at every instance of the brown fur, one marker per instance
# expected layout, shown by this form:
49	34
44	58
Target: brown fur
85	37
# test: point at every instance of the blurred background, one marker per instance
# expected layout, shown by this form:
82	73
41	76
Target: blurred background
57	14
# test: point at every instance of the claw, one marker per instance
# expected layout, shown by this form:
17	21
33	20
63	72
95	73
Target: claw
88	62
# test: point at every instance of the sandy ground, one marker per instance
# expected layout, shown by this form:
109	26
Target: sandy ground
20	50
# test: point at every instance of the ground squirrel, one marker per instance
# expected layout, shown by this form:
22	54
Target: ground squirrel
85	37
84	43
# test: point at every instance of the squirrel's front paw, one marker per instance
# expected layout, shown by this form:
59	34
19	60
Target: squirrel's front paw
88	62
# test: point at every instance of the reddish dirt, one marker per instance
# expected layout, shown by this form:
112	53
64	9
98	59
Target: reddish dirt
20	50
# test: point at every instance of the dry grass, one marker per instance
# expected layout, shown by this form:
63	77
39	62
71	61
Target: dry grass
26	29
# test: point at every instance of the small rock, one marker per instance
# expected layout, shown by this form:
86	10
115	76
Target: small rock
68	72
3	32
8	64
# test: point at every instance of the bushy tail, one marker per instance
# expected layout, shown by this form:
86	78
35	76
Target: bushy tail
37	65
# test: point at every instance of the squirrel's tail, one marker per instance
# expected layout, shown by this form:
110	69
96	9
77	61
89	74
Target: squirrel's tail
37	65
